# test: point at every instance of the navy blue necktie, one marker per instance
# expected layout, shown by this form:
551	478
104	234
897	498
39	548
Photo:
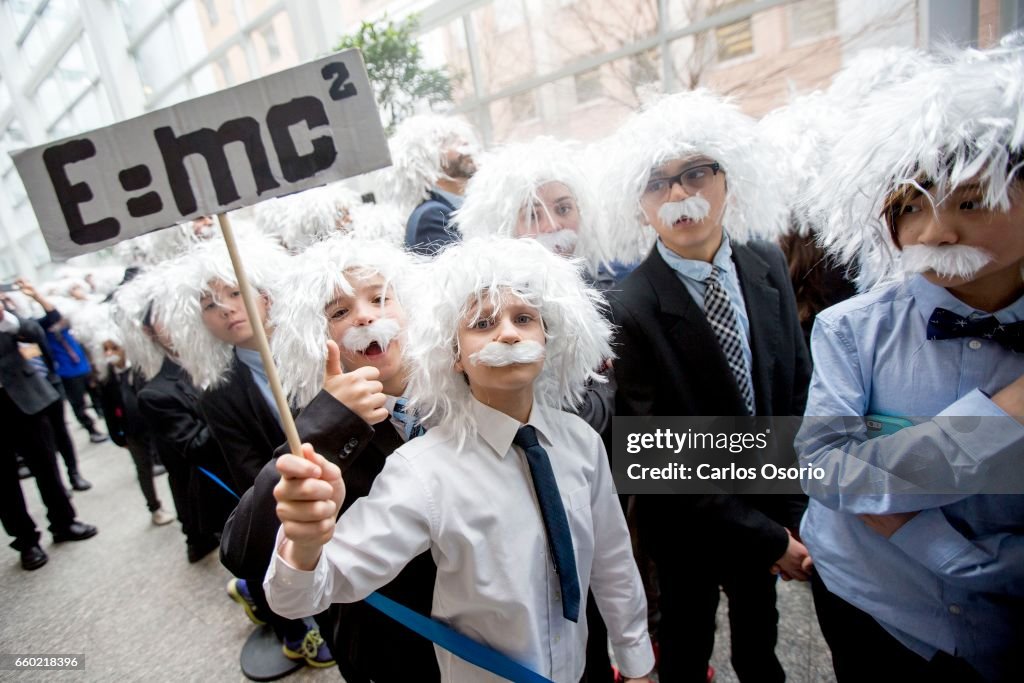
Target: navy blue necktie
944	324
556	524
412	425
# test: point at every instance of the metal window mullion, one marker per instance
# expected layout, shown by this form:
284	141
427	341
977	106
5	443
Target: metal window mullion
483	117
728	16
65	39
167	10
37	12
214	54
74	103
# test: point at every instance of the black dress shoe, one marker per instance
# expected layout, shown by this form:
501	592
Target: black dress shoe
78	483
33	558
78	531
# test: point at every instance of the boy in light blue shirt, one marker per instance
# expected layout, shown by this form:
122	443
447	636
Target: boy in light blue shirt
919	565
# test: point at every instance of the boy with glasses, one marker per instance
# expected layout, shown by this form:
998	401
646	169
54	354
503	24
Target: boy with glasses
707	326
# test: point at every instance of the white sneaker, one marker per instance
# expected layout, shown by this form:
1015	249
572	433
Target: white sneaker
161	517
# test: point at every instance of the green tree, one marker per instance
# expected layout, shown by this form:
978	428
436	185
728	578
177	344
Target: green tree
394	63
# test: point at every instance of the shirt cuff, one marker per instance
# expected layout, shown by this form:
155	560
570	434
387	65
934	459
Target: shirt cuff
635	660
287	576
930	539
980	427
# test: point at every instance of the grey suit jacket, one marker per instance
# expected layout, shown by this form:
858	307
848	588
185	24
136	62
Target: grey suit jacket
27	388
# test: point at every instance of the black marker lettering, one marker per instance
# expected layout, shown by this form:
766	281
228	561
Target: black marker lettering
70	196
339	88
210	144
297	167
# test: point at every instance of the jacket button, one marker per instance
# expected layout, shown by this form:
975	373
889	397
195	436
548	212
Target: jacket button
352	443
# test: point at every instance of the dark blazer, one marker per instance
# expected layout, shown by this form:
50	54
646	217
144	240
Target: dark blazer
366	644
170	404
29	389
669	363
119	393
242	423
429	227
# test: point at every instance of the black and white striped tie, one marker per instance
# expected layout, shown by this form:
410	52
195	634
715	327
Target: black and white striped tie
722	318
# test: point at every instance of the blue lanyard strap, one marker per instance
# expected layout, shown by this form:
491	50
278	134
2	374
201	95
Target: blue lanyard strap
459	645
218	481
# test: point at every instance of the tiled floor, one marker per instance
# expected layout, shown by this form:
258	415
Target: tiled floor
130	602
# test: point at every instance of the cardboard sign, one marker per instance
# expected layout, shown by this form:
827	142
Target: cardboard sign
290	131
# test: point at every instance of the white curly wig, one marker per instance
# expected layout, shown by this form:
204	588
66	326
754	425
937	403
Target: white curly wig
874	69
64	285
145	294
203	356
486	269
93	326
378	222
416	154
681	125
24	306
953	122
298	220
508	180
804	130
312	280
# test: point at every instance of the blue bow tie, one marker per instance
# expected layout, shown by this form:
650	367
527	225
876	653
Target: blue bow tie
944	324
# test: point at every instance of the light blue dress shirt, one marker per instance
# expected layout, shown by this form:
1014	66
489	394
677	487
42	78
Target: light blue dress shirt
693	274
952	578
251	359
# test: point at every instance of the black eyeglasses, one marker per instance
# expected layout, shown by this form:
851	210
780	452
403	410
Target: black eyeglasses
692	179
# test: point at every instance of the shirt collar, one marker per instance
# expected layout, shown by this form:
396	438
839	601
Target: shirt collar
251	359
930	296
699	271
453	199
498	430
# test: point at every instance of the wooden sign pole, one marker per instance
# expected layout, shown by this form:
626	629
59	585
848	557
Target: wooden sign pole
261	337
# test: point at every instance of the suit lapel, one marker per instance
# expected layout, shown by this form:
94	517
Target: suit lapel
762	301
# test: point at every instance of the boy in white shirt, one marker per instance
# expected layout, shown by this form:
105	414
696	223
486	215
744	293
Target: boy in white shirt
508	334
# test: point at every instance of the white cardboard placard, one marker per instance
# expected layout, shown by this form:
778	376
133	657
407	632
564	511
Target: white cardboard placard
284	133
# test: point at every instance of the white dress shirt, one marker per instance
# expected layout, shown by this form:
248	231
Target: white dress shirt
476	511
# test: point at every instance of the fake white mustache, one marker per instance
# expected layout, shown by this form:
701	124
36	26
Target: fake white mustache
695	208
383	331
558	242
950	261
498	354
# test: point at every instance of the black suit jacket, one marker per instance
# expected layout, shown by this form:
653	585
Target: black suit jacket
27	388
119	393
170	404
429	227
670	363
366	644
242	423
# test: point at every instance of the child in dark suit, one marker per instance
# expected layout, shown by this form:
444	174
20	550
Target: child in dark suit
119	392
707	326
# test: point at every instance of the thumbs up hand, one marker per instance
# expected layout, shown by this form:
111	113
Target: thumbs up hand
359	390
309	497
